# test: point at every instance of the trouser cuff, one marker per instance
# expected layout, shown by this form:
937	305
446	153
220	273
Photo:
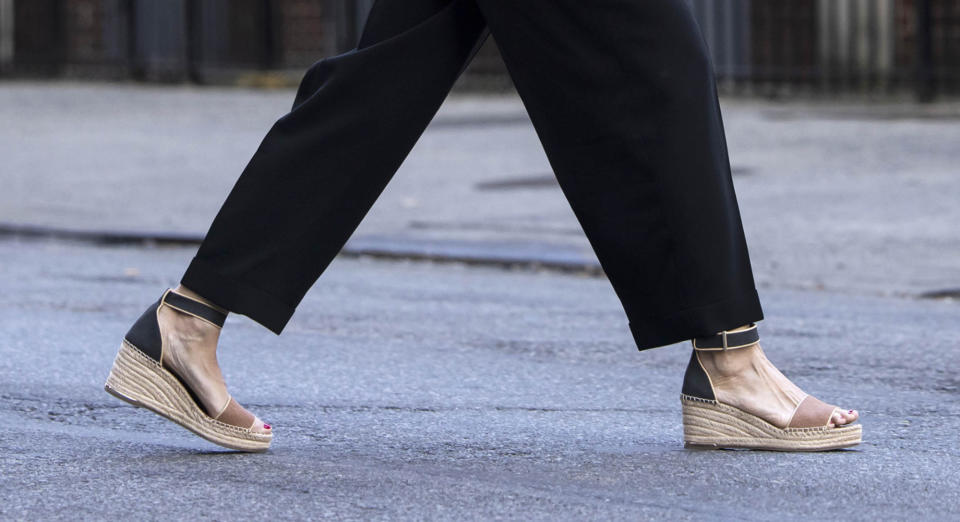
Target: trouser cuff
701	321
237	296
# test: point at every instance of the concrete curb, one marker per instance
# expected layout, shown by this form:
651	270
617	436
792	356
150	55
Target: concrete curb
512	255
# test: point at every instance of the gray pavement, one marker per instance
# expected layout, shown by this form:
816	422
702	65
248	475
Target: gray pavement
421	391
418	390
846	197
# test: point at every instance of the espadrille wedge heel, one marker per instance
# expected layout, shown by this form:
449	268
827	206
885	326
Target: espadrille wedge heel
710	423
140	377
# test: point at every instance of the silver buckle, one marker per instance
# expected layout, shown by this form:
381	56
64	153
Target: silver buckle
724	334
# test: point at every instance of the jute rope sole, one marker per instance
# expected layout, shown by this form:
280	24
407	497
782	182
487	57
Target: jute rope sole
710	424
141	381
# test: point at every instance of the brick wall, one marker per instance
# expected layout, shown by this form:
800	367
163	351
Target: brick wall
83	27
37	37
947	46
306	31
945	16
783	40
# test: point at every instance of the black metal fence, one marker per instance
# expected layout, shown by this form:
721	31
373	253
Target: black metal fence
759	46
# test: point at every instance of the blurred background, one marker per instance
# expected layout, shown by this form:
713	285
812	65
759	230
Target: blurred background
765	47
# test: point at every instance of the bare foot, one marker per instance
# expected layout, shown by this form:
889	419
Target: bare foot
190	350
746	379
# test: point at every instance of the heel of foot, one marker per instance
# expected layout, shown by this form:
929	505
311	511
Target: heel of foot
696	382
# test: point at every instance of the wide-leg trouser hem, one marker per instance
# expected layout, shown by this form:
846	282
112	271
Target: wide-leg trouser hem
622	96
237	296
655	331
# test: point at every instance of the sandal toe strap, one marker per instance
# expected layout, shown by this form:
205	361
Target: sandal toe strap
812	413
235	415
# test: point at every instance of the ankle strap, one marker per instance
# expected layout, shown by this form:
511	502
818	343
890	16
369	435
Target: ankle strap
727	340
190	306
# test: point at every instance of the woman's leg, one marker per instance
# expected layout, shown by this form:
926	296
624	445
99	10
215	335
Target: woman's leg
321	167
355	118
623	97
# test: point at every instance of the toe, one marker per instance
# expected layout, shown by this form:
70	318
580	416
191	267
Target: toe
851	416
844	417
261	427
236	415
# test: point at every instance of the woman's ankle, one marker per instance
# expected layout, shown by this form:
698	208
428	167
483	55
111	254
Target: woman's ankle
741	328
182	290
721	364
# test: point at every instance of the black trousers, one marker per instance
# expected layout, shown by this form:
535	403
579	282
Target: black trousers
622	96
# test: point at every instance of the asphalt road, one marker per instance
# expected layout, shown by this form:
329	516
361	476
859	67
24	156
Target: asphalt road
854	198
439	391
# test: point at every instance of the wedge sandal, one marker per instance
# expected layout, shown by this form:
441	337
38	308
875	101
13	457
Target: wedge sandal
140	378
708	423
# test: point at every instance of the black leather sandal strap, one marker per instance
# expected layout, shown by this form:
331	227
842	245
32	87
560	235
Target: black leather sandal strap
727	340
195	308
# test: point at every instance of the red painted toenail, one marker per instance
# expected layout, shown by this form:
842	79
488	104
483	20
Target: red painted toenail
266	426
851	411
